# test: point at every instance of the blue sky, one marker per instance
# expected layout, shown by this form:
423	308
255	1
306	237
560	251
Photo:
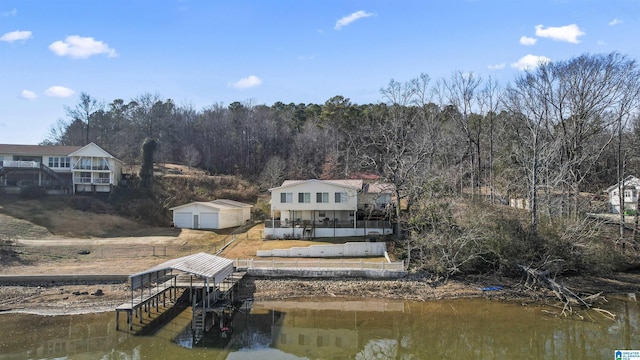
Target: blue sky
303	51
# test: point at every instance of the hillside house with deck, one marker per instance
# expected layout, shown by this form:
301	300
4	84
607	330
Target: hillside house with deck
58	169
305	209
630	192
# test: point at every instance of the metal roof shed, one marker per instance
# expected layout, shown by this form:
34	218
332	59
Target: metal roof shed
217	214
203	265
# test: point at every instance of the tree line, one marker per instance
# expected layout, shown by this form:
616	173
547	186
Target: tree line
555	131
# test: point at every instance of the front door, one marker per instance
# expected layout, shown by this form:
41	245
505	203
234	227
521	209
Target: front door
196	224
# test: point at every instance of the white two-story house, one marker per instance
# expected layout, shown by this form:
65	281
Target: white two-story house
630	191
329	208
58	169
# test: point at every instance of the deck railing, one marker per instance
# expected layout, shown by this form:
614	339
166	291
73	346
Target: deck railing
368	224
20	164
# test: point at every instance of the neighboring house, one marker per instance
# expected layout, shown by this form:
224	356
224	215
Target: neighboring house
329	208
631	189
217	214
58	169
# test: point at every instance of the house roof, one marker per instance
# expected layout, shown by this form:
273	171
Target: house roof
379	188
628	181
230	203
372	187
200	264
92	147
354	184
15	149
219	204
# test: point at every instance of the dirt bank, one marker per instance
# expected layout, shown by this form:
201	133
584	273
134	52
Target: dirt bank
74	299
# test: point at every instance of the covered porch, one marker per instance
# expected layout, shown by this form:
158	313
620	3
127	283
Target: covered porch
308	224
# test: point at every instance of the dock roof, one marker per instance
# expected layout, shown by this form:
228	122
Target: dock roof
201	264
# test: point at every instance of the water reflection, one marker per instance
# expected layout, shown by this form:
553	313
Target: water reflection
329	329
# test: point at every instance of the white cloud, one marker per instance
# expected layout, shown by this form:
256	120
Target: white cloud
497	66
351	18
80	47
529	62
568	33
16	35
59	91
248	82
12	12
528	41
28	95
615	22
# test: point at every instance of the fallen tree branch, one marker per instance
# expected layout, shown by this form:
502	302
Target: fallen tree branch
561	292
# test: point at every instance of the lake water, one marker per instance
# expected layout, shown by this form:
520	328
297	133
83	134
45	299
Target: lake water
339	329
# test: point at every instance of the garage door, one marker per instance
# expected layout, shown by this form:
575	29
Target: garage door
208	221
183	220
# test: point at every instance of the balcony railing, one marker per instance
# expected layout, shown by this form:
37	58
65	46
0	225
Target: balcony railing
367	224
91	167
87	180
82	180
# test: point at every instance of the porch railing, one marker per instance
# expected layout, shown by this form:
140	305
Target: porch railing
87	180
20	164
369	224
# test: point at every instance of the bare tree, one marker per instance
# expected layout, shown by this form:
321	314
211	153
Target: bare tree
83	111
490	101
586	93
273	172
191	155
397	145
529	126
461	91
623	111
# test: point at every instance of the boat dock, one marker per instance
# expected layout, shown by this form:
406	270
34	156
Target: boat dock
210	281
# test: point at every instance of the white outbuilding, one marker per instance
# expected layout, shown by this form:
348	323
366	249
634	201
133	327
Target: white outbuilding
217	214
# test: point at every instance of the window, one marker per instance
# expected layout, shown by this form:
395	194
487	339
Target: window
322	197
85	177
286	197
103	178
103	164
85	163
59	162
304	197
628	193
341	197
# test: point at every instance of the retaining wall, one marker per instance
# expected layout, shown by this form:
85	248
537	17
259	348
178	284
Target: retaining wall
61	279
350	249
327	273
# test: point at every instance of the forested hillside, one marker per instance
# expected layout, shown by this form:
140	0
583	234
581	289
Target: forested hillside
549	135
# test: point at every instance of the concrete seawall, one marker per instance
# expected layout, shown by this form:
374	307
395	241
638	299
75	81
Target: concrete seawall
63	279
326	273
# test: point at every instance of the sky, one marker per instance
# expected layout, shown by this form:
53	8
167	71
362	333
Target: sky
204	52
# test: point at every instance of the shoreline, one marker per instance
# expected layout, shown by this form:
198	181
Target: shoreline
75	299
